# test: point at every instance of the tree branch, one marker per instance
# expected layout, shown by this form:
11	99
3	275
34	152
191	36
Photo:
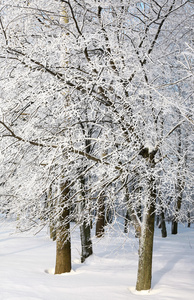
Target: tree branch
71	149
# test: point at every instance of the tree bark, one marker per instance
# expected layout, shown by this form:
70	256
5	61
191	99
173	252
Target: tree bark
144	276
63	243
189	220
52	225
100	223
162	225
180	185
86	242
163	229
85	231
53	233
174	228
127	221
63	254
145	250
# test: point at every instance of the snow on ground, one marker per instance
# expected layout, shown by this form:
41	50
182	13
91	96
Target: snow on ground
27	262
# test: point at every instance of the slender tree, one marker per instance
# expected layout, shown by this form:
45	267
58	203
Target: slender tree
63	242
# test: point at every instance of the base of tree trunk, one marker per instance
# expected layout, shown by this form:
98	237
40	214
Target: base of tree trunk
174	229
145	251
63	242
63	257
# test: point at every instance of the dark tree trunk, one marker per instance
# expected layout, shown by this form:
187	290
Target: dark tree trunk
163	229
158	221
85	230
100	223
109	216
179	187
63	243
174	228
189	220
162	225
86	242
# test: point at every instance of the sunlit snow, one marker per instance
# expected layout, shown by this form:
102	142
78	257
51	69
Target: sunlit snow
27	267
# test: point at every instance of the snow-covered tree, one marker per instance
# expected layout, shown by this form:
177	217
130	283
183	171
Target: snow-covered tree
116	78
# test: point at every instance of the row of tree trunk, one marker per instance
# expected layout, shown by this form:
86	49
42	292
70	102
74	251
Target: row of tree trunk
144	232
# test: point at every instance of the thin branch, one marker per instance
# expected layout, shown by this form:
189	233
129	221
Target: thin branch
4	32
169	133
71	149
73	16
24	140
175	82
103	98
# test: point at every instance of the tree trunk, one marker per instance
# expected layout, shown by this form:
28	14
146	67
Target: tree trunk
162	225
109	216
144	275
145	250
100	223
180	185
63	254
63	243
85	231
52	227
163	229
135	217
53	232
86	242
189	220
174	228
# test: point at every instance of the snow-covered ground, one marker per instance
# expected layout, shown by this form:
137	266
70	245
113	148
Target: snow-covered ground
27	262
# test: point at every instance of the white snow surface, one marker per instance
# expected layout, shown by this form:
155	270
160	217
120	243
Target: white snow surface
27	266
